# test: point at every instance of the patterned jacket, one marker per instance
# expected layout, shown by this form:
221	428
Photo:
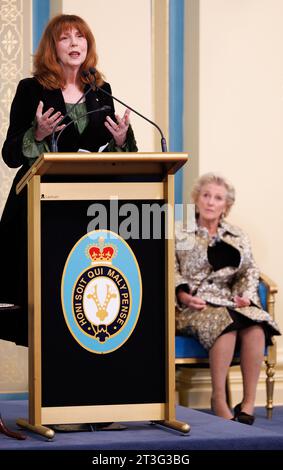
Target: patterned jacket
217	288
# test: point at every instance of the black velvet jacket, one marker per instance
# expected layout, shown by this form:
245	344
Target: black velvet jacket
28	95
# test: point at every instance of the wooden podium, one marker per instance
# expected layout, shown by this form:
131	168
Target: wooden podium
98	353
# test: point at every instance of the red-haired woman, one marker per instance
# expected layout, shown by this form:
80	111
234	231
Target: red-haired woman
67	48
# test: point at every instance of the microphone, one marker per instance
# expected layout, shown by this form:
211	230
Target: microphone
104	108
92	71
54	147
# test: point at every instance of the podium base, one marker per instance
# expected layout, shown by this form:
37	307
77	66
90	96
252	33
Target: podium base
88	427
180	426
37	428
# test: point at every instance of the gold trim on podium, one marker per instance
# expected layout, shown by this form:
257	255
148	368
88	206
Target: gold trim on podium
34	300
37	428
100	191
170	302
104	164
102	413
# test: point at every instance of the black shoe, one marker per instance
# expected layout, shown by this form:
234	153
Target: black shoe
237	410
241	416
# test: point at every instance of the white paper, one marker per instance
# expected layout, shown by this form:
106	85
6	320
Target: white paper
103	147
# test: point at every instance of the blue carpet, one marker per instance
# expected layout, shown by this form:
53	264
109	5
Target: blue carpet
274	425
208	432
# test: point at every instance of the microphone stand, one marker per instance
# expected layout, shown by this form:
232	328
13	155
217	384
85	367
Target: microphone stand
163	140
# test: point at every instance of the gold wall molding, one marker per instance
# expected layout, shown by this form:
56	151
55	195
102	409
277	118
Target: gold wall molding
56	7
160	66
15	63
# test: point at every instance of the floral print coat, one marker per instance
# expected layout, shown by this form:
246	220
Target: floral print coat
217	288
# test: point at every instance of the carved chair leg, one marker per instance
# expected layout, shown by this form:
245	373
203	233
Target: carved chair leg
270	372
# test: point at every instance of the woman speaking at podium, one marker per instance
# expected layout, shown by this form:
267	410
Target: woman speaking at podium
59	98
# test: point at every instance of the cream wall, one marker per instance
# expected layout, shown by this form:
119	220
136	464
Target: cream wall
237	90
122	30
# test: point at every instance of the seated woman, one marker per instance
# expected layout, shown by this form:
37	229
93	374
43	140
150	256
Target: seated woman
217	300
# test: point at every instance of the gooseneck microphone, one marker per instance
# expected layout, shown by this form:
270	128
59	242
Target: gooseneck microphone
92	71
103	108
54	141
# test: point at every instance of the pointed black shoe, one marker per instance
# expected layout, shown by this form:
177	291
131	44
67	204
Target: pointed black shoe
241	416
237	410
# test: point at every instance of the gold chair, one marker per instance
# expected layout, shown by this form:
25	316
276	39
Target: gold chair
190	354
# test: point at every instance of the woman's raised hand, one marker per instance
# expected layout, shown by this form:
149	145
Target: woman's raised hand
45	122
119	129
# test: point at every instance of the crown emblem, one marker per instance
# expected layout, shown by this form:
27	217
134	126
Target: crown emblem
101	253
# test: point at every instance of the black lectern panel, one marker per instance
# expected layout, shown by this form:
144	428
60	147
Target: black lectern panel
72	375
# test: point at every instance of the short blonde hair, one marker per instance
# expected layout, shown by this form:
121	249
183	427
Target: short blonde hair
214	178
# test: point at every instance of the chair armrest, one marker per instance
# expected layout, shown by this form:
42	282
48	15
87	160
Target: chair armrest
271	291
271	286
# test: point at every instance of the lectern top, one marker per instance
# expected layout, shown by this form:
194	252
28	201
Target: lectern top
105	164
